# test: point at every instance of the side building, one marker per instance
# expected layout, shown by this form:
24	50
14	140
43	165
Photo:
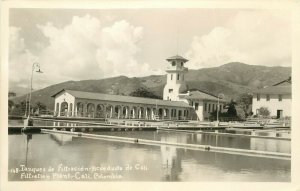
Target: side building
277	98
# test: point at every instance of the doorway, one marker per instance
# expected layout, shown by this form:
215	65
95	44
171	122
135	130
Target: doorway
279	114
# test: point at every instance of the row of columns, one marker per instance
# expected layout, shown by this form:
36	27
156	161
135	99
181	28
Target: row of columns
100	110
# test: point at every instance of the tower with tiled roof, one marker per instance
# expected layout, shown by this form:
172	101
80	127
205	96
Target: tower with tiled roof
175	78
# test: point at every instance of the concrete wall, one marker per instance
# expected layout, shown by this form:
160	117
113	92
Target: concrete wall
273	104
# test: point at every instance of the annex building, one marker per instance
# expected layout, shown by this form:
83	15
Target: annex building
277	98
178	102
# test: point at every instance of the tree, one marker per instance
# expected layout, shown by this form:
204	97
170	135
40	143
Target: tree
231	111
11	104
240	112
244	101
19	108
264	111
143	92
40	106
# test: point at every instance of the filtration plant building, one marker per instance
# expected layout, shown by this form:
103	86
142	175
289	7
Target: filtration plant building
178	103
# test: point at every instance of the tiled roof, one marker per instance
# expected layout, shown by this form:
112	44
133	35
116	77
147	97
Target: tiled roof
275	90
125	99
284	82
201	95
177	57
283	87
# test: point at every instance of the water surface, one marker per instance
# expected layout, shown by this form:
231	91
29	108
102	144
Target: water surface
111	161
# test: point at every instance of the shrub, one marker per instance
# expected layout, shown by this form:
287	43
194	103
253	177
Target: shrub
264	111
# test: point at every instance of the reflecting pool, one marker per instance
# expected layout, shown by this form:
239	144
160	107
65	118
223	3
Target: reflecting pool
67	158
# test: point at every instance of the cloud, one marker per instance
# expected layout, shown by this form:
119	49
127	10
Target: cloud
116	56
20	59
252	37
83	49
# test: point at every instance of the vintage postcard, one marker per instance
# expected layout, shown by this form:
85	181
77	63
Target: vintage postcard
149	95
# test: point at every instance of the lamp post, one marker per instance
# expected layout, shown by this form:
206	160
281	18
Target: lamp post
220	95
35	65
25	115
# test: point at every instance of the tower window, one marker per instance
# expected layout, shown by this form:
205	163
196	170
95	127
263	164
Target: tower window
173	63
170	90
268	97
177	76
279	97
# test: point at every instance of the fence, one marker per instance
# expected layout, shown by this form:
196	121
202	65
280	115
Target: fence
23	112
225	119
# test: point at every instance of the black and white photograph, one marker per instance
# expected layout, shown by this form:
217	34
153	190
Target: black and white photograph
111	94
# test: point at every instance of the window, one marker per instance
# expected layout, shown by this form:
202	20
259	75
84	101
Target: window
268	97
279	97
208	107
170	90
177	76
205	107
196	106
173	63
258	97
213	107
181	63
171	76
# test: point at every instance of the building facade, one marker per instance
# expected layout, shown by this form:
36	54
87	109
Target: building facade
203	103
177	103
276	98
71	103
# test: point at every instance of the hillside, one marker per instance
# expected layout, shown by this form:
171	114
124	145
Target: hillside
230	79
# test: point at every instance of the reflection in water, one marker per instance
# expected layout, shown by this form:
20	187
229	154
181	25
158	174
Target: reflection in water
171	162
61	139
28	137
164	163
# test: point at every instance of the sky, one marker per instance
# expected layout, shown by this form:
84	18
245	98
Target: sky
78	44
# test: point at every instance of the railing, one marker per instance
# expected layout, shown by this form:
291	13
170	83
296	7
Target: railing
22	112
225	119
19	112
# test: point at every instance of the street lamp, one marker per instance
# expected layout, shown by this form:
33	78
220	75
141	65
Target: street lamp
35	65
220	95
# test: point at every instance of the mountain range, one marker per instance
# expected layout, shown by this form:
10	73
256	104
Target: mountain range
230	79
